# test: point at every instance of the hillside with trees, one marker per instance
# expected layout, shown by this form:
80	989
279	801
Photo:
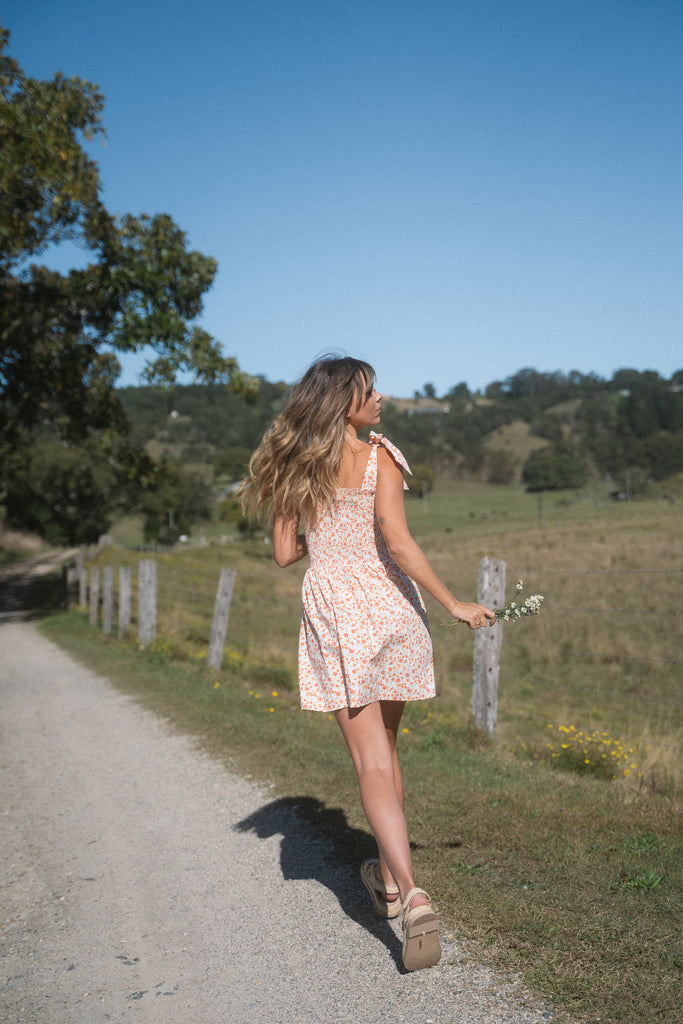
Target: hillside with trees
543	431
76	452
550	431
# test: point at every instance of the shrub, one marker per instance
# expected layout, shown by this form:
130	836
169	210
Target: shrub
553	469
595	753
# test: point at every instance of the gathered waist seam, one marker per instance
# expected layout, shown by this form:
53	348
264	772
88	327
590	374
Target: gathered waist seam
322	559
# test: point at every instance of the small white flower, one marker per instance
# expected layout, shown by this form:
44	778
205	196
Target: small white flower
512	612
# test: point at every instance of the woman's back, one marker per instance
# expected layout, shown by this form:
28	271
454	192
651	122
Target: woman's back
347	530
353	465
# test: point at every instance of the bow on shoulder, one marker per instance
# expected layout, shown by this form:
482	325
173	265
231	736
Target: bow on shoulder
377	439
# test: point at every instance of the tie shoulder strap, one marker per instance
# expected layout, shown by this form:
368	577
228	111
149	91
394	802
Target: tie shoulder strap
379	439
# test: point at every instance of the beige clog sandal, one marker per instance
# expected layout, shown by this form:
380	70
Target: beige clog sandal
379	891
421	946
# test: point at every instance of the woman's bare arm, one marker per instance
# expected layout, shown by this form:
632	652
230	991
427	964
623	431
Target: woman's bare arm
406	552
289	545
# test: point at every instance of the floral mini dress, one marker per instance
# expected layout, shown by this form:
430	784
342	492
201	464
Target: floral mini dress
364	633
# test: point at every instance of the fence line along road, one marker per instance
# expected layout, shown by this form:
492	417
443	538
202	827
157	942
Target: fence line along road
487	643
97	592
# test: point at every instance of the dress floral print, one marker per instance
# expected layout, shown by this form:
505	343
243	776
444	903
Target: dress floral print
364	633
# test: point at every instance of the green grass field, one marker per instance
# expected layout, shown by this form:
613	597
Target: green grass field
561	863
604	654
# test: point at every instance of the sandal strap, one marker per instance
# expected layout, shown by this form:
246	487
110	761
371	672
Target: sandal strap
414	892
387	890
376	882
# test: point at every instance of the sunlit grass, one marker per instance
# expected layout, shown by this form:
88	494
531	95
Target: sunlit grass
604	653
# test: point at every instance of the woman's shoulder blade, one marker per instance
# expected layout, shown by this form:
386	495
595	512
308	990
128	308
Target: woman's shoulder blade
353	467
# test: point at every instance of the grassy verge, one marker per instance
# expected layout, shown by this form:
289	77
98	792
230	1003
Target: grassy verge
574	881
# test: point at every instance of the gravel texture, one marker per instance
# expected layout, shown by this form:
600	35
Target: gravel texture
144	883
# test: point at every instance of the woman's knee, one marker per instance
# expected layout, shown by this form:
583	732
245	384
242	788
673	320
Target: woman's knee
374	768
366	737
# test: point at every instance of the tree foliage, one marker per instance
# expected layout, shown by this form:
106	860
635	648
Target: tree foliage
501	466
554	469
232	462
141	286
181	496
69	496
421	481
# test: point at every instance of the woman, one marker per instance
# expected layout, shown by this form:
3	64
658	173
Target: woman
364	644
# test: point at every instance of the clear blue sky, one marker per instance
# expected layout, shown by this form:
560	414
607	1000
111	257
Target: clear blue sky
452	190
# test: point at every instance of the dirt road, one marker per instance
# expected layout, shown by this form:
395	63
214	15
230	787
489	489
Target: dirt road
143	883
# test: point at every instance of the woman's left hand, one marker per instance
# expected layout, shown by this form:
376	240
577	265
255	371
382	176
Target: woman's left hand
474	615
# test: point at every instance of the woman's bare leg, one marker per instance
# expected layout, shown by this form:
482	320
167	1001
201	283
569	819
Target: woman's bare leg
392	712
370	734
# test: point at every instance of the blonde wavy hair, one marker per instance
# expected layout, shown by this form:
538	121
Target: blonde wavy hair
294	470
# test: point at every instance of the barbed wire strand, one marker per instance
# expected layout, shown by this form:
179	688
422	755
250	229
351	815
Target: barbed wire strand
596	654
601	572
604	693
551	606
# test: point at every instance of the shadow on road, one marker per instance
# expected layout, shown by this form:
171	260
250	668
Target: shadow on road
303	822
30	590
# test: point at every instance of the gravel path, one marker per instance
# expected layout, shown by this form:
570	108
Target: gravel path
144	883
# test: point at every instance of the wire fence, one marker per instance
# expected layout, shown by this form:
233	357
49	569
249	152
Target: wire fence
601	655
625	671
635	644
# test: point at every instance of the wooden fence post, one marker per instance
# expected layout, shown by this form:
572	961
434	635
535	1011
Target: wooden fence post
83	588
94	594
124	599
221	613
107	599
147	601
71	580
487	645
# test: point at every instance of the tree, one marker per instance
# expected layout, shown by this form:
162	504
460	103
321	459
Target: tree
180	497
661	454
59	333
553	469
422	480
502	466
67	496
650	405
459	395
232	462
547	426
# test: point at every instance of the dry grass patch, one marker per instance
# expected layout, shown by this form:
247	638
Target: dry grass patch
15	545
515	439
